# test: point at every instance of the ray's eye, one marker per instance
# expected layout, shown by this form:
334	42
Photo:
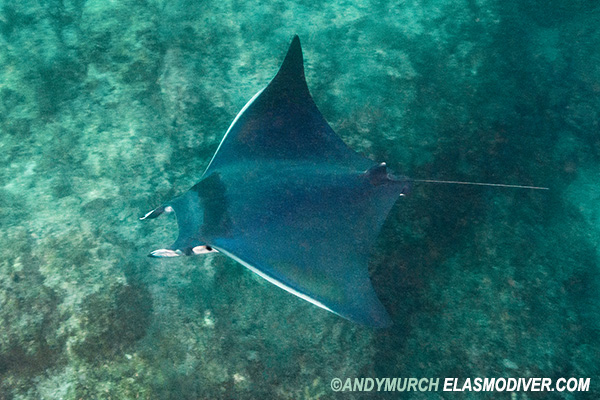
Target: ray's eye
208	248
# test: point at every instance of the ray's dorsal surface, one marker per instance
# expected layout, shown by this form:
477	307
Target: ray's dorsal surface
284	196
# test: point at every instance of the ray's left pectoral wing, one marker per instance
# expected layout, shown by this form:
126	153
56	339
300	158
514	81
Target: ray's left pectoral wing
315	241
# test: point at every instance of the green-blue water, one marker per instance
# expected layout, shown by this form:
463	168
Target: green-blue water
109	108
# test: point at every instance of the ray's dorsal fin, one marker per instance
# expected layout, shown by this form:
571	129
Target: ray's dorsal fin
282	122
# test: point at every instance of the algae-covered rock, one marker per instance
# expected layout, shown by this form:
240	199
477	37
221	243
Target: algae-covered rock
112	321
29	338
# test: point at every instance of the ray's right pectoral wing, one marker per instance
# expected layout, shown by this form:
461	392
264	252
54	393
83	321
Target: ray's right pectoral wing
282	122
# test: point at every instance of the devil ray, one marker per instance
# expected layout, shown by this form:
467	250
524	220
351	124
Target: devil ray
284	196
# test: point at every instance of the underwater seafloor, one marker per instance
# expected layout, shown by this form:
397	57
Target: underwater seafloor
110	108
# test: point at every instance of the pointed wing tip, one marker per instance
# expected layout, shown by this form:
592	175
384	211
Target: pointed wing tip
293	63
364	308
378	318
384	323
295	46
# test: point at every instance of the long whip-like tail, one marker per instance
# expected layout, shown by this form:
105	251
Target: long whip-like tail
480	184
